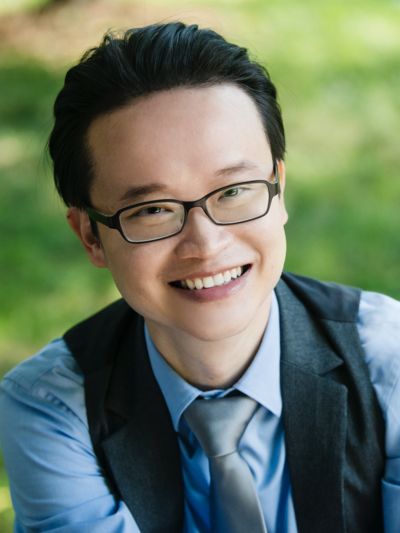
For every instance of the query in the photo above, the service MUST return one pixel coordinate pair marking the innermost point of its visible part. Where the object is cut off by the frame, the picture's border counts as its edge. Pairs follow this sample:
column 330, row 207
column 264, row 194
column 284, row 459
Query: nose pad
column 197, row 205
column 200, row 210
column 201, row 237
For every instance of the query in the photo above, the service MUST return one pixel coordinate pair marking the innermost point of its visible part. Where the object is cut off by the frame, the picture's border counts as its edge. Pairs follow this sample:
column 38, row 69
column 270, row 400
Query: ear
column 80, row 224
column 282, row 180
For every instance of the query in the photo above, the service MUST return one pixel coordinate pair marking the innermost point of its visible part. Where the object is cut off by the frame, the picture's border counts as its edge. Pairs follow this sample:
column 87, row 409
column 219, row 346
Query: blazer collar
column 303, row 341
column 314, row 417
column 143, row 453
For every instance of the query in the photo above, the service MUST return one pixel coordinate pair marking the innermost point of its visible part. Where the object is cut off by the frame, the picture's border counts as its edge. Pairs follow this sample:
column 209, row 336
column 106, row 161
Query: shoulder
column 378, row 325
column 92, row 340
column 326, row 300
column 51, row 377
column 379, row 310
column 55, row 480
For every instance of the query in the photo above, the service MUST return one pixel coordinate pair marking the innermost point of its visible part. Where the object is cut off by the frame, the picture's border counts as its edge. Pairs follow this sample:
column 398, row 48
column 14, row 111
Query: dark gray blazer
column 334, row 428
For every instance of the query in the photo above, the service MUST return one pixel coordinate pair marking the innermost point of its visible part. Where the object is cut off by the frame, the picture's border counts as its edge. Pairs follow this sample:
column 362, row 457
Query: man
column 220, row 394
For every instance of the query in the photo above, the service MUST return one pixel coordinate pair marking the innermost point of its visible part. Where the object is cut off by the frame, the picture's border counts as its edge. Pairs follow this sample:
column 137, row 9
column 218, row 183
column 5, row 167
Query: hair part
column 136, row 63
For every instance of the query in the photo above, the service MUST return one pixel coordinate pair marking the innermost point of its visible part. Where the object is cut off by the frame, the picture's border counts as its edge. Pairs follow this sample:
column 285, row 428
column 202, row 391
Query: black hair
column 139, row 62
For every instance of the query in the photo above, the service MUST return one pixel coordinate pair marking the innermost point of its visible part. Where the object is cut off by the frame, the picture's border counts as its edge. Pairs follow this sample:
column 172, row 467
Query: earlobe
column 80, row 224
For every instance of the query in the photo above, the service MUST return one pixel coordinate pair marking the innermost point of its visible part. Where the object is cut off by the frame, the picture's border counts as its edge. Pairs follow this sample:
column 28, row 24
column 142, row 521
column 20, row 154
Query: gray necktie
column 219, row 425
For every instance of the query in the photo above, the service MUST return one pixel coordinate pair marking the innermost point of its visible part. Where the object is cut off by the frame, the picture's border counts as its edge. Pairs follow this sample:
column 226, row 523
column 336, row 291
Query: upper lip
column 207, row 273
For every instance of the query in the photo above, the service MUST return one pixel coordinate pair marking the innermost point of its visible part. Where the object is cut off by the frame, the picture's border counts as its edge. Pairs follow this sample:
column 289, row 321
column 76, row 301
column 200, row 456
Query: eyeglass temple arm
column 107, row 220
column 277, row 183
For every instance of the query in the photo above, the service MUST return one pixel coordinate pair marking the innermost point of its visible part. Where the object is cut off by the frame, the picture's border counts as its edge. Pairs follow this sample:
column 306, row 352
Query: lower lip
column 214, row 293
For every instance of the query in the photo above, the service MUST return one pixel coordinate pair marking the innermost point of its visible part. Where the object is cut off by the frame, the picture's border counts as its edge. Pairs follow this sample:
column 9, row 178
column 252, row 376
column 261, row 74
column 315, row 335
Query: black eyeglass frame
column 113, row 221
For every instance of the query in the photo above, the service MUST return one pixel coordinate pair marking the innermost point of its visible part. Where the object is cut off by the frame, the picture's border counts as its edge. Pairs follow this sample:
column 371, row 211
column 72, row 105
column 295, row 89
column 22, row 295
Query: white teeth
column 208, row 282
column 227, row 276
column 218, row 280
column 198, row 283
column 212, row 281
column 190, row 284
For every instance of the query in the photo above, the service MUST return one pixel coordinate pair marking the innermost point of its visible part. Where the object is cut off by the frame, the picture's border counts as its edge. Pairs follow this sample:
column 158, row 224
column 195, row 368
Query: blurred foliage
column 337, row 69
column 15, row 6
column 45, row 277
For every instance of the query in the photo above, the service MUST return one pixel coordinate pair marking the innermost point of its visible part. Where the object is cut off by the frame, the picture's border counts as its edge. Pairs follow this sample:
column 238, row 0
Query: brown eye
column 153, row 210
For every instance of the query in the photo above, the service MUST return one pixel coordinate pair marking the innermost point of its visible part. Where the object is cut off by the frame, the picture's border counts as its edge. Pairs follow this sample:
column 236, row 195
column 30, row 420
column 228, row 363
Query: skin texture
column 185, row 140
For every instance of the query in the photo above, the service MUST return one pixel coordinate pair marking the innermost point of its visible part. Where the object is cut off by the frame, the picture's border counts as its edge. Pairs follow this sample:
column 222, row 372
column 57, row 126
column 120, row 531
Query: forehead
column 177, row 138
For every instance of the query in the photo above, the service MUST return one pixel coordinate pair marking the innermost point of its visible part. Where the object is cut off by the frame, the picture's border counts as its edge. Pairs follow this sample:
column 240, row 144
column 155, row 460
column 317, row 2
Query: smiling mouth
column 223, row 278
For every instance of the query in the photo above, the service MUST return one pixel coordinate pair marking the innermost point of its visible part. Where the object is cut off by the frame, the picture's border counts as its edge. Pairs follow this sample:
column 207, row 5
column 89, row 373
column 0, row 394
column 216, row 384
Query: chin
column 211, row 329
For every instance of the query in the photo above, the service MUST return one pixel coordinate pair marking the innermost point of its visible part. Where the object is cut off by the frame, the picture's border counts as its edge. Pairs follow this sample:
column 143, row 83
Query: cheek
column 267, row 238
column 136, row 272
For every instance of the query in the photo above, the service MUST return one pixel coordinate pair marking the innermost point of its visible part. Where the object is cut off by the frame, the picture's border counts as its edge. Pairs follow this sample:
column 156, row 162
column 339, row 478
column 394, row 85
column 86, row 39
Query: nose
column 201, row 238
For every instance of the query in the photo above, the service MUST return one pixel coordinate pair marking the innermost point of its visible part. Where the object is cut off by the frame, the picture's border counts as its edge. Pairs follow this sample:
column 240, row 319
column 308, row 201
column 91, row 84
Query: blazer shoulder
column 92, row 341
column 326, row 300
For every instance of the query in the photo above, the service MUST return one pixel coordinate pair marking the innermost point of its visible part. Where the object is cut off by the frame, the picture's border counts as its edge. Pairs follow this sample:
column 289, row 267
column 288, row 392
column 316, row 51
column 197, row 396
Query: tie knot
column 219, row 424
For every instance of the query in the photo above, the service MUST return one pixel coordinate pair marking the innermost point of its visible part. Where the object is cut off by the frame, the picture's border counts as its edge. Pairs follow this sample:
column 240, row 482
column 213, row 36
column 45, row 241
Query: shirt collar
column 261, row 381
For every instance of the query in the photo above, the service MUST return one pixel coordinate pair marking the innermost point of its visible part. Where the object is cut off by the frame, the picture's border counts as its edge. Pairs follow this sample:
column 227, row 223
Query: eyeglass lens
column 241, row 203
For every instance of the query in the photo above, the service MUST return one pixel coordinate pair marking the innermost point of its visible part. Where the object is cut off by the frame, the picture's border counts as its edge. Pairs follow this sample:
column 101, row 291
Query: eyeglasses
column 160, row 219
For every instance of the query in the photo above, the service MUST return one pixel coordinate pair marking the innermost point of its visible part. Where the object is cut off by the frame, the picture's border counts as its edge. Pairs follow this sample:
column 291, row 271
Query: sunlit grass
column 6, row 510
column 5, row 499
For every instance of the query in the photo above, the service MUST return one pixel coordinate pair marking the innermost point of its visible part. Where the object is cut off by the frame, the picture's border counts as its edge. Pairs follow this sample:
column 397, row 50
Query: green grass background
column 337, row 68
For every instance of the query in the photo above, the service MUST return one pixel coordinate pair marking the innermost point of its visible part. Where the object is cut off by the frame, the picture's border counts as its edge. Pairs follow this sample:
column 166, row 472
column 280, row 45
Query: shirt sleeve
column 379, row 329
column 56, row 483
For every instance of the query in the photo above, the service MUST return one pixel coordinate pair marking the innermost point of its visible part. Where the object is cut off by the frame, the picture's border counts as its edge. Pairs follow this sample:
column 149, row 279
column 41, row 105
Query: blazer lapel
column 143, row 453
column 314, row 417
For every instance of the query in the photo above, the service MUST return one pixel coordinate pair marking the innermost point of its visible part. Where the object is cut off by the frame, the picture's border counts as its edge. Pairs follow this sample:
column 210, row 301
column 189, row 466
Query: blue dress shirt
column 57, row 485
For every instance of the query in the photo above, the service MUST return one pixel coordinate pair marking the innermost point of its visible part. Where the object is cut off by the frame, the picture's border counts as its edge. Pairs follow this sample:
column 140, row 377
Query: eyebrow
column 138, row 192
column 243, row 165
column 141, row 191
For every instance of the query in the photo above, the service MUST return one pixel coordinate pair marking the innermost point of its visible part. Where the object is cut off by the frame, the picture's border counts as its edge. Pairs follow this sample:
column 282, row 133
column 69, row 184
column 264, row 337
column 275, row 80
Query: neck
column 215, row 364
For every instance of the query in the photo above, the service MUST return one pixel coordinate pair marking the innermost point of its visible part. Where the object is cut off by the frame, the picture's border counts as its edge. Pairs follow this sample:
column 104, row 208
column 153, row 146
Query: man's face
column 189, row 142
